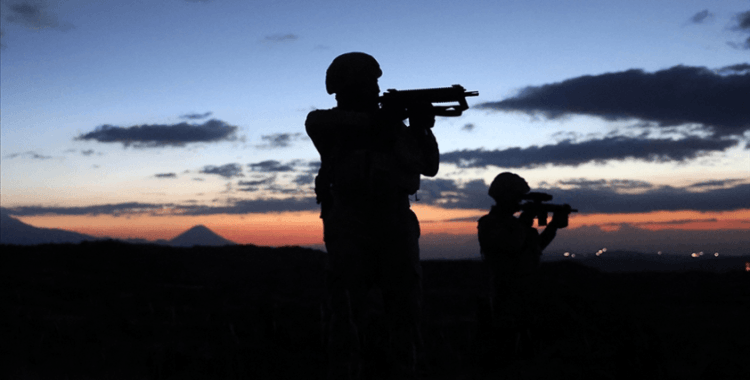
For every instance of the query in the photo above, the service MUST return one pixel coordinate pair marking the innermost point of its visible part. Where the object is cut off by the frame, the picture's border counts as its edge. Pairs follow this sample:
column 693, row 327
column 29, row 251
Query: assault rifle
column 404, row 100
column 535, row 205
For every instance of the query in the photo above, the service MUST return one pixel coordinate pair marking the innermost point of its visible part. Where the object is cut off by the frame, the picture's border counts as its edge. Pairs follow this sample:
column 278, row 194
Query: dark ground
column 111, row 310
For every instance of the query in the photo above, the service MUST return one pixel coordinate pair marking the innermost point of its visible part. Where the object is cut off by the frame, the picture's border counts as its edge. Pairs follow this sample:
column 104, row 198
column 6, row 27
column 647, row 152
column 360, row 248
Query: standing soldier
column 511, row 248
column 370, row 163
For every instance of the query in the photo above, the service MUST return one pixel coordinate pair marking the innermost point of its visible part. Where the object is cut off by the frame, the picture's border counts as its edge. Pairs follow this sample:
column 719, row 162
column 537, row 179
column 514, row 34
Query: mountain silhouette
column 14, row 231
column 199, row 235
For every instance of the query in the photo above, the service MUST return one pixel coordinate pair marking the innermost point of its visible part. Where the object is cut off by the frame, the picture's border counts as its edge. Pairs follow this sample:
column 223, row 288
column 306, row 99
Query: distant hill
column 144, row 241
column 14, row 231
column 199, row 235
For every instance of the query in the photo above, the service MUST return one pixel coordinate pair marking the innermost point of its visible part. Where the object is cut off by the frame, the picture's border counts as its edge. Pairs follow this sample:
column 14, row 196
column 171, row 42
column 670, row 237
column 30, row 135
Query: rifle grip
column 541, row 217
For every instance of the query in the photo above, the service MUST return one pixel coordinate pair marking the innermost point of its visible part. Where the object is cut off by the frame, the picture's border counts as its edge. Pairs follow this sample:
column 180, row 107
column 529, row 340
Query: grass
column 116, row 311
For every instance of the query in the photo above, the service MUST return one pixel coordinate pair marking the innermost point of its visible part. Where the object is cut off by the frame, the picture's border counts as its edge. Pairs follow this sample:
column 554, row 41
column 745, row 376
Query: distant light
column 658, row 253
column 599, row 253
column 747, row 267
column 573, row 255
column 604, row 249
column 566, row 254
column 694, row 254
column 716, row 254
column 700, row 253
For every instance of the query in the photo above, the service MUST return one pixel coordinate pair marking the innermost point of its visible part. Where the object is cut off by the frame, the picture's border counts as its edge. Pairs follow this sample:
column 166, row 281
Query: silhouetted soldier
column 512, row 248
column 370, row 163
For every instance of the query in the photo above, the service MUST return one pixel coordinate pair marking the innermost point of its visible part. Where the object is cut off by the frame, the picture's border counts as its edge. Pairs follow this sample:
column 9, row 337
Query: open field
column 110, row 310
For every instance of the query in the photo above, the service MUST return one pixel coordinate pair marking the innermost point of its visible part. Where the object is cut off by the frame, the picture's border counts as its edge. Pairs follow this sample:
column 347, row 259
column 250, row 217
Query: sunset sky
column 143, row 118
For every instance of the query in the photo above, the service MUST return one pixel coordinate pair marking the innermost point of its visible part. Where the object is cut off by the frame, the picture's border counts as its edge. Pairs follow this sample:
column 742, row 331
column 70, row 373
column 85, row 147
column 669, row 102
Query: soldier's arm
column 421, row 121
column 547, row 236
column 551, row 230
column 430, row 162
column 347, row 127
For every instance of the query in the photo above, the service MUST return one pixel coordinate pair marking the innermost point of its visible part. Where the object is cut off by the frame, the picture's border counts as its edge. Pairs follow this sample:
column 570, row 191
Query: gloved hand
column 422, row 116
column 559, row 219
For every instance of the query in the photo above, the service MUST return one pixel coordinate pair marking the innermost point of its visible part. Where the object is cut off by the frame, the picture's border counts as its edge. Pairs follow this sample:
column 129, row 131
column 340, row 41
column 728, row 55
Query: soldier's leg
column 402, row 310
column 348, row 281
column 514, row 320
column 401, row 284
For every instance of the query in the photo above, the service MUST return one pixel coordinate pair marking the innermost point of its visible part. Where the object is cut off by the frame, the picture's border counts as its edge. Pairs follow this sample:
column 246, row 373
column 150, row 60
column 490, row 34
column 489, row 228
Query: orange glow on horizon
column 277, row 229
column 673, row 220
column 306, row 228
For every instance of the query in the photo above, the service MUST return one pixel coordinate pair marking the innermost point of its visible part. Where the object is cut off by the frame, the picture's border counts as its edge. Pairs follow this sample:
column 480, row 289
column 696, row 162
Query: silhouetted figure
column 370, row 163
column 511, row 249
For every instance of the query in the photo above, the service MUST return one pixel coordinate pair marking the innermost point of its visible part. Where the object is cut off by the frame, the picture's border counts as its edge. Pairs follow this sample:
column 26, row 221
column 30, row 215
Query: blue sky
column 256, row 69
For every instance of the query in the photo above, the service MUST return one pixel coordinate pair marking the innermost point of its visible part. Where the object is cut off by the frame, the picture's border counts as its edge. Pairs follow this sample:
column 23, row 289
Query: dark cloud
column 234, row 206
column 701, row 16
column 265, row 181
column 595, row 196
column 739, row 68
column 248, row 206
column 468, row 127
column 281, row 38
column 226, row 171
column 308, row 177
column 313, row 166
column 156, row 135
column 664, row 198
column 303, row 173
column 742, row 25
column 196, row 116
column 743, row 21
column 285, row 190
column 452, row 194
column 33, row 15
column 165, row 175
column 29, row 154
column 118, row 209
column 717, row 183
column 588, row 196
column 432, row 189
column 677, row 96
column 252, row 186
column 271, row 166
column 86, row 152
column 602, row 183
column 279, row 140
column 304, row 179
column 569, row 153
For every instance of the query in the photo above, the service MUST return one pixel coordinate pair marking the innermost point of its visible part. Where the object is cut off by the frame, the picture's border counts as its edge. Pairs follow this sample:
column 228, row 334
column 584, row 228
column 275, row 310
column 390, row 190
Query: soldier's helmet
column 350, row 69
column 508, row 186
